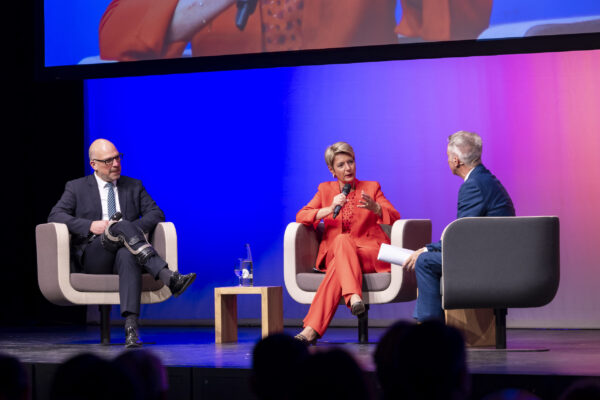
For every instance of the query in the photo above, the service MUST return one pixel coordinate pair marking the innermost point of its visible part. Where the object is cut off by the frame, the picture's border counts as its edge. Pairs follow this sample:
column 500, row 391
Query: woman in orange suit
column 149, row 29
column 350, row 242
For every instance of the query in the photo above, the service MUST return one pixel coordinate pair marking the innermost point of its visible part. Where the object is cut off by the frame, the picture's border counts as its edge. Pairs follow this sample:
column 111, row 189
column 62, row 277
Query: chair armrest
column 500, row 262
column 164, row 241
column 300, row 248
column 410, row 234
column 54, row 262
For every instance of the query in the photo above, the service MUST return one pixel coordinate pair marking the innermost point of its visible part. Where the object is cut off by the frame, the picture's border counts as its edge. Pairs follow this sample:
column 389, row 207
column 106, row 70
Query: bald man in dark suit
column 100, row 245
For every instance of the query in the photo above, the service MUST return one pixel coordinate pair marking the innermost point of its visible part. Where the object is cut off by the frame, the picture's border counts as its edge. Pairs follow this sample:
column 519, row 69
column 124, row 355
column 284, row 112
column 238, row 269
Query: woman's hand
column 338, row 200
column 367, row 202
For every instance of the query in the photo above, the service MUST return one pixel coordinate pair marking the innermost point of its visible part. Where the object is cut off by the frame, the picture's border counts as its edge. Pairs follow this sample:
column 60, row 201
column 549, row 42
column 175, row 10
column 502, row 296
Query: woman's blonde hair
column 335, row 149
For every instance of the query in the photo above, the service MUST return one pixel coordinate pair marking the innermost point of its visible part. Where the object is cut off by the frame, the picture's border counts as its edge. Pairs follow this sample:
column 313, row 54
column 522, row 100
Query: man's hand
column 98, row 227
column 409, row 264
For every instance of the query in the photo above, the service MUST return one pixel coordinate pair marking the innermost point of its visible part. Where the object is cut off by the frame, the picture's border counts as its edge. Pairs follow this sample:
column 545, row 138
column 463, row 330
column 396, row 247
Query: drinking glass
column 239, row 271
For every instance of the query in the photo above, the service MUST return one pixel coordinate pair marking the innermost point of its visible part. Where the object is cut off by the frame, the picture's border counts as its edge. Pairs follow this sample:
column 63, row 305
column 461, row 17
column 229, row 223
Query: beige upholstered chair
column 490, row 264
column 62, row 287
column 300, row 247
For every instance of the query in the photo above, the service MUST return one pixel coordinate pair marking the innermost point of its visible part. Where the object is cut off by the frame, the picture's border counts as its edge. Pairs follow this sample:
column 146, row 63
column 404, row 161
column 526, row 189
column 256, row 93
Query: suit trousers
column 346, row 262
column 428, row 270
column 97, row 260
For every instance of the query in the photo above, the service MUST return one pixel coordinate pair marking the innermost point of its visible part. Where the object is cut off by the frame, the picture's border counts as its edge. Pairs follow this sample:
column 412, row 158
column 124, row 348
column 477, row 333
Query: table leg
column 225, row 318
column 271, row 310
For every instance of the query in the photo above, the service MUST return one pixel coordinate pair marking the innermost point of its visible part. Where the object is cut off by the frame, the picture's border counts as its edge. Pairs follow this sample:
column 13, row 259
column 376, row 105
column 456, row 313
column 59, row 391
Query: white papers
column 393, row 254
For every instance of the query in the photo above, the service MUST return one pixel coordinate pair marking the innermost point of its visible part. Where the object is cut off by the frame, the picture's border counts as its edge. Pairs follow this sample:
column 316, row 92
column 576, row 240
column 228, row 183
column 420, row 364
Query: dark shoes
column 179, row 283
column 132, row 337
column 358, row 308
column 301, row 338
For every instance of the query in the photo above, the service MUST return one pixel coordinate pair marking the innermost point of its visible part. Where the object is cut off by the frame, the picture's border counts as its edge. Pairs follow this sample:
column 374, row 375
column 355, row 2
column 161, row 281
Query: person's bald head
column 105, row 160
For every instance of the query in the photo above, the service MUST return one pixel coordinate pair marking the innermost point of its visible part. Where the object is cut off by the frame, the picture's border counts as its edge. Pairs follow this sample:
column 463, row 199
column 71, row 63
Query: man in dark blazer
column 480, row 195
column 109, row 217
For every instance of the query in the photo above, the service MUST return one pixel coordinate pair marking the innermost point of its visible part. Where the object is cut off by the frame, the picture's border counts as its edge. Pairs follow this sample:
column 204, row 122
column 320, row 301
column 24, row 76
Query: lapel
column 122, row 189
column 97, row 203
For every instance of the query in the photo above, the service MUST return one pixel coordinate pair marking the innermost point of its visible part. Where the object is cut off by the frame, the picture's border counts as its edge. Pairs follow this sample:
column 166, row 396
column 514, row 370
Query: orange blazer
column 136, row 29
column 436, row 20
column 365, row 229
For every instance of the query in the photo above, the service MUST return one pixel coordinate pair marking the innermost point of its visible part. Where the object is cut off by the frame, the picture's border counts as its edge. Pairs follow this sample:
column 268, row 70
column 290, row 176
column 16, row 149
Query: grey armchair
column 500, row 263
column 301, row 244
column 62, row 287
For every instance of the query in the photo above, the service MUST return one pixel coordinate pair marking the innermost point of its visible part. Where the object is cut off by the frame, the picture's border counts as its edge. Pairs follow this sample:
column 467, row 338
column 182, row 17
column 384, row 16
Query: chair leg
column 104, row 324
column 363, row 326
column 500, row 314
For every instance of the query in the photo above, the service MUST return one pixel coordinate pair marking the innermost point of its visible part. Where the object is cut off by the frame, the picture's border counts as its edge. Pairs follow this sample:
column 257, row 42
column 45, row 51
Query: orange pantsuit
column 437, row 20
column 349, row 246
column 136, row 29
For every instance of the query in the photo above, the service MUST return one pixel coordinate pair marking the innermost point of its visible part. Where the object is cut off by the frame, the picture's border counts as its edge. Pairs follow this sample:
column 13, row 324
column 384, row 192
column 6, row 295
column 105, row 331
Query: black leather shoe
column 132, row 338
column 179, row 283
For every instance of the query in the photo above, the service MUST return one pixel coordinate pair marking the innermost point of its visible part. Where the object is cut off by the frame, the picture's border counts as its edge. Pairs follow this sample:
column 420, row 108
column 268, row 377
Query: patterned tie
column 112, row 204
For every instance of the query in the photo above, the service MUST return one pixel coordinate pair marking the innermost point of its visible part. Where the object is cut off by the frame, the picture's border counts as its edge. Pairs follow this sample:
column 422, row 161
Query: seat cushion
column 109, row 283
column 310, row 281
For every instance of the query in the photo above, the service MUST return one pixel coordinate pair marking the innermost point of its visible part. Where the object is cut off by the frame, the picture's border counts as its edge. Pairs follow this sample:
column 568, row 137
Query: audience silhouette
column 87, row 376
column 147, row 373
column 276, row 362
column 424, row 361
column 332, row 374
column 584, row 389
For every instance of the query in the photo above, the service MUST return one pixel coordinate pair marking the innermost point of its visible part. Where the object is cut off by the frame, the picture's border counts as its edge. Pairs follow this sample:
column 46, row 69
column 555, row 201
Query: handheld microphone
column 345, row 190
column 244, row 9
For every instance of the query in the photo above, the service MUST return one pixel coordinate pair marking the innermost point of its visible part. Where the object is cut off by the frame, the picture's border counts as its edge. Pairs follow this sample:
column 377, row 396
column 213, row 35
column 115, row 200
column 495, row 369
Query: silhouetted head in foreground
column 276, row 362
column 90, row 377
column 332, row 374
column 146, row 371
column 425, row 361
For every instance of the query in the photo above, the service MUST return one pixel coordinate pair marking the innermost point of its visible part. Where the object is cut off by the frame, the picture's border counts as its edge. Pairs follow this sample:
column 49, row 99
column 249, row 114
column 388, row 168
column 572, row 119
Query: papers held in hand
column 393, row 254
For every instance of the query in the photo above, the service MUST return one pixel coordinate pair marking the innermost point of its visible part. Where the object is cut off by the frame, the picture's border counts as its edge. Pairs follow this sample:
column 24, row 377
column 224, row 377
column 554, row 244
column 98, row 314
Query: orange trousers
column 345, row 263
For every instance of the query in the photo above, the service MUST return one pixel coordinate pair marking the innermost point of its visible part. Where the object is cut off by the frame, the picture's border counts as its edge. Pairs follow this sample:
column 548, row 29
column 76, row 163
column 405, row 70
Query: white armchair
column 301, row 244
column 62, row 287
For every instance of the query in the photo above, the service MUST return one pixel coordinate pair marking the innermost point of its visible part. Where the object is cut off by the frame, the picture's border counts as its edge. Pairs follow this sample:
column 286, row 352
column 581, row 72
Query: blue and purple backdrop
column 231, row 156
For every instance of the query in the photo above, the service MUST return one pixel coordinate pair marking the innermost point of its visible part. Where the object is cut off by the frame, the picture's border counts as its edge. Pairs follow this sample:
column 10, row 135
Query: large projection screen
column 78, row 34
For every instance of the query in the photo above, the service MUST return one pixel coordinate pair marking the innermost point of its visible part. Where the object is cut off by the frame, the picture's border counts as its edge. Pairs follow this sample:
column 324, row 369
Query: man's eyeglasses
column 109, row 161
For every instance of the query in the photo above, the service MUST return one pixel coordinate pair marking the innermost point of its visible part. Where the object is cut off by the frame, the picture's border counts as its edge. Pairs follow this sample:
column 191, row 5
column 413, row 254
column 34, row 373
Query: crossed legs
column 343, row 278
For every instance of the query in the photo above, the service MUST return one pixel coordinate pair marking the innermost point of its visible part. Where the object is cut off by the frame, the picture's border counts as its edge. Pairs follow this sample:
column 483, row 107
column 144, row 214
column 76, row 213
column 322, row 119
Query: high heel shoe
column 357, row 308
column 301, row 338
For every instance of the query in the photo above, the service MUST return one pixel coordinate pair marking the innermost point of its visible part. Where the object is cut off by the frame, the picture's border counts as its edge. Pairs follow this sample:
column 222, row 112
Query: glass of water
column 239, row 271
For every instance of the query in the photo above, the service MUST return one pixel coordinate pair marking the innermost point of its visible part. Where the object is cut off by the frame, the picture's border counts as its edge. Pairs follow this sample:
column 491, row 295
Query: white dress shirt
column 104, row 196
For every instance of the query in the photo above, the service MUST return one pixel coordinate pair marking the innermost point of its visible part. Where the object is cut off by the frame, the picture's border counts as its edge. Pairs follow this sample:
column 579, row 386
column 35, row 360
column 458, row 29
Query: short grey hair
column 467, row 147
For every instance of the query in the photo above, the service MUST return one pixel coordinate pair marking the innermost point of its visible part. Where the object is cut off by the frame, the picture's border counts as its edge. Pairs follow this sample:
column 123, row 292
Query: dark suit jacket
column 482, row 195
column 80, row 204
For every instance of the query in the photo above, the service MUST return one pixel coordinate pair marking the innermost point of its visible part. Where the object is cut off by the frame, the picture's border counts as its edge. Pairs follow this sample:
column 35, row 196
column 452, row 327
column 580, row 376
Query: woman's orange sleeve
column 137, row 29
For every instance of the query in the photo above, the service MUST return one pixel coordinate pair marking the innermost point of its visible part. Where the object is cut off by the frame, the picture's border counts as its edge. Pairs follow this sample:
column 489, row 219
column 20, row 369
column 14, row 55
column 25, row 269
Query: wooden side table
column 226, row 310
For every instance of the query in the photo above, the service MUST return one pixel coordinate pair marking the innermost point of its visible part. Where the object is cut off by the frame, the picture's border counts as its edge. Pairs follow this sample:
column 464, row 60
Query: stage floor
column 569, row 352
column 564, row 354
